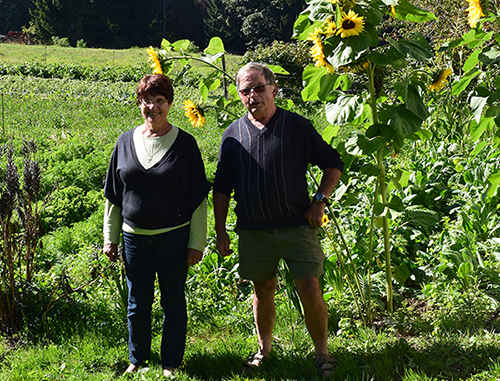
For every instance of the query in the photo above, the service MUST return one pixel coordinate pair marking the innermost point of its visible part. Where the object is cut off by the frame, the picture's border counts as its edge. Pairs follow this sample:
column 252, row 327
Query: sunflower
column 317, row 51
column 440, row 80
column 194, row 114
column 351, row 24
column 475, row 12
column 324, row 220
column 156, row 63
column 330, row 28
column 356, row 68
column 393, row 10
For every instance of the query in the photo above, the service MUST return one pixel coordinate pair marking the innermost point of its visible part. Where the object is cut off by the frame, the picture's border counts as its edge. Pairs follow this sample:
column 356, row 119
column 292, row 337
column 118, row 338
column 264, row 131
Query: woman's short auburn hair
column 155, row 84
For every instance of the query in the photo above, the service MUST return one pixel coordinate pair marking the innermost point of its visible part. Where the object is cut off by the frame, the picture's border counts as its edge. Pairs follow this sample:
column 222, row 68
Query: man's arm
column 329, row 181
column 221, row 207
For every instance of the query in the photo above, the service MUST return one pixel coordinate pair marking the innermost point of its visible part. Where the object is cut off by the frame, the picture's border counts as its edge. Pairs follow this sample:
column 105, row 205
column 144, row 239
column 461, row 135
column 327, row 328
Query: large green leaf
column 414, row 102
column 477, row 129
column 388, row 57
column 329, row 133
column 494, row 180
column 182, row 45
column 347, row 108
column 215, row 46
column 422, row 216
column 417, row 48
column 473, row 38
column 461, row 85
column 477, row 104
column 408, row 12
column 381, row 130
column 370, row 145
column 348, row 50
column 304, row 26
column 319, row 10
column 401, row 273
column 405, row 121
column 472, row 60
column 278, row 69
column 490, row 57
column 318, row 83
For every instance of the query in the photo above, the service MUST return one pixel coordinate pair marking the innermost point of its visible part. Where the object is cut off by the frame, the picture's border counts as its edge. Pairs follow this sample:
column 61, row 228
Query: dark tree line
column 125, row 23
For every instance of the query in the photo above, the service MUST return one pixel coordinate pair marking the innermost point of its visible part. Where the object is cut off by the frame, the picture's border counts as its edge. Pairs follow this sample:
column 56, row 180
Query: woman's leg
column 171, row 262
column 138, row 256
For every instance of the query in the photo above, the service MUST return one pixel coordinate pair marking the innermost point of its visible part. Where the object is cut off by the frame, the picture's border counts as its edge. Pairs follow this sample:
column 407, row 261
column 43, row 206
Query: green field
column 445, row 324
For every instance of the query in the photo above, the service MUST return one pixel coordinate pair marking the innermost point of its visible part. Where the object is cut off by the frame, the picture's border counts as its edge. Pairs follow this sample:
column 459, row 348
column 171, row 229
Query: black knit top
column 267, row 169
column 162, row 196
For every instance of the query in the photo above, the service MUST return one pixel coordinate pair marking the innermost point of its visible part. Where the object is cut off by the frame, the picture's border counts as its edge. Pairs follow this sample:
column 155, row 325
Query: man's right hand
column 223, row 243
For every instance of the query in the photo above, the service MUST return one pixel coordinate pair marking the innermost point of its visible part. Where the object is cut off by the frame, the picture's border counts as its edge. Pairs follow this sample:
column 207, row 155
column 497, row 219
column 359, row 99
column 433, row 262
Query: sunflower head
column 351, row 24
column 440, row 80
column 324, row 220
column 317, row 50
column 193, row 113
column 155, row 61
column 475, row 12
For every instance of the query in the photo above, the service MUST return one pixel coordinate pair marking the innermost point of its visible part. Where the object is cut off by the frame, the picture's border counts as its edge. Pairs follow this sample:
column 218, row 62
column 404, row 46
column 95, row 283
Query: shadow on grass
column 230, row 367
column 447, row 358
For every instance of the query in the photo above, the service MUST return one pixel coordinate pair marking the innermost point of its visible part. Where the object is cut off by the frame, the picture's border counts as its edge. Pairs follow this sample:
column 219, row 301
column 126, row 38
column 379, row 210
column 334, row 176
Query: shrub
column 81, row 44
column 291, row 56
column 61, row 41
column 70, row 205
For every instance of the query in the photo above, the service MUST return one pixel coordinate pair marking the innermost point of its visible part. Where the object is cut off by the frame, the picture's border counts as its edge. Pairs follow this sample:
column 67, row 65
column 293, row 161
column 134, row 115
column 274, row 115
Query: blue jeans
column 144, row 257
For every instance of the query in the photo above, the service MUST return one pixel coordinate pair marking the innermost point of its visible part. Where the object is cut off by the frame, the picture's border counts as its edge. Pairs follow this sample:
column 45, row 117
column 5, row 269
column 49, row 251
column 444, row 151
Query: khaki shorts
column 261, row 250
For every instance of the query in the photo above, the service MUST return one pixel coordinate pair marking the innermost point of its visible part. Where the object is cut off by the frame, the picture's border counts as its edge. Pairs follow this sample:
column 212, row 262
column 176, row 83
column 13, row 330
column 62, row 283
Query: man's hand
column 314, row 214
column 111, row 251
column 223, row 243
column 194, row 256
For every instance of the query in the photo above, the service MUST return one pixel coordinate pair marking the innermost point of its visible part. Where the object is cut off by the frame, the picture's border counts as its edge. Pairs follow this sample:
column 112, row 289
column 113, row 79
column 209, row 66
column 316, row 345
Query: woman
column 156, row 197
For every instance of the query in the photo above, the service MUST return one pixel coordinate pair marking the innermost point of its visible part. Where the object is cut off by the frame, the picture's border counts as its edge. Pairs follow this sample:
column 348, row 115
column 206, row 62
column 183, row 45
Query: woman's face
column 154, row 109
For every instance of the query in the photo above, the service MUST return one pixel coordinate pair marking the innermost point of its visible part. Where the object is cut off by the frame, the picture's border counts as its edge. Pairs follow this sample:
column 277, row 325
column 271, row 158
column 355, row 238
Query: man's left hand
column 314, row 214
column 194, row 256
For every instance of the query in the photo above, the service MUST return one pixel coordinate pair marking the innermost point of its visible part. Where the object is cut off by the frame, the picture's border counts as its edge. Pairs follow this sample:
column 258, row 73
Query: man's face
column 257, row 95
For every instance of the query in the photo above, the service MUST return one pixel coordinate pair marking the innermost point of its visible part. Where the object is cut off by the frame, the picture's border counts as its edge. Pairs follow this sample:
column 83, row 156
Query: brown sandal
column 325, row 365
column 254, row 361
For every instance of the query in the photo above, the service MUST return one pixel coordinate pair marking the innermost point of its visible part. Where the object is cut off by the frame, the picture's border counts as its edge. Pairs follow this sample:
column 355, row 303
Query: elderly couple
column 156, row 194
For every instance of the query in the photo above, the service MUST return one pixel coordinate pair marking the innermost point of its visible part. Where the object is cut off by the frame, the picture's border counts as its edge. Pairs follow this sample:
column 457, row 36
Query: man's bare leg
column 264, row 313
column 315, row 312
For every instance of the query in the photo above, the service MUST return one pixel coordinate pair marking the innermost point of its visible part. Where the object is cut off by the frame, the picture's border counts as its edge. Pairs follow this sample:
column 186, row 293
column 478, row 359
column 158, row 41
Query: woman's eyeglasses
column 149, row 102
column 258, row 89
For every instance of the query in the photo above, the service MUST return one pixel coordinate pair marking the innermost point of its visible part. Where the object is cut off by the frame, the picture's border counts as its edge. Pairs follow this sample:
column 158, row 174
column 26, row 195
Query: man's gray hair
column 255, row 66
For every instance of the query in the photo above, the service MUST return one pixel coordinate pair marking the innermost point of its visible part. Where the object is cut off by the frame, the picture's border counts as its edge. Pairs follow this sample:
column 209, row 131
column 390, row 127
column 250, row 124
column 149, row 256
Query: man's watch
column 319, row 197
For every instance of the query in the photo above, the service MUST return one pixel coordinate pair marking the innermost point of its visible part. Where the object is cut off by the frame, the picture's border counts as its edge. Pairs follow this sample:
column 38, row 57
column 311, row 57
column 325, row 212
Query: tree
column 116, row 24
column 14, row 15
column 243, row 24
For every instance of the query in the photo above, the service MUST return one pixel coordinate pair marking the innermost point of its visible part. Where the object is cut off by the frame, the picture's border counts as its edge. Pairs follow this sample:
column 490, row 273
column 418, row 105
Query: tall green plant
column 348, row 76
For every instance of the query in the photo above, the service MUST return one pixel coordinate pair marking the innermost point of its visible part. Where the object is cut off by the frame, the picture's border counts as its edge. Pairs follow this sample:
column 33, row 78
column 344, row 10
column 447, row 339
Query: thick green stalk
column 383, row 191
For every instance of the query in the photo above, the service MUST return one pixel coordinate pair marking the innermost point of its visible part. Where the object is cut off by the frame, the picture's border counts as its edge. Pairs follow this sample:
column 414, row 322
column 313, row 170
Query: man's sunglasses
column 258, row 89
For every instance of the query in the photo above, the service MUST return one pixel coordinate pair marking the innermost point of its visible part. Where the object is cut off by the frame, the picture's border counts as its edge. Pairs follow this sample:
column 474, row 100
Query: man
column 263, row 157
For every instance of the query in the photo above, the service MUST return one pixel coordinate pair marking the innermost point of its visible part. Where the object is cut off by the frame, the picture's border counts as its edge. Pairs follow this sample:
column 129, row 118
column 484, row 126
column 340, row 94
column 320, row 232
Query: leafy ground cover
column 445, row 323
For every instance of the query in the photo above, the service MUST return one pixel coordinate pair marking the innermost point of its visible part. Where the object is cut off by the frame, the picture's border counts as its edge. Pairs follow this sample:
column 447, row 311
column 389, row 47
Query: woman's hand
column 194, row 256
column 111, row 251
